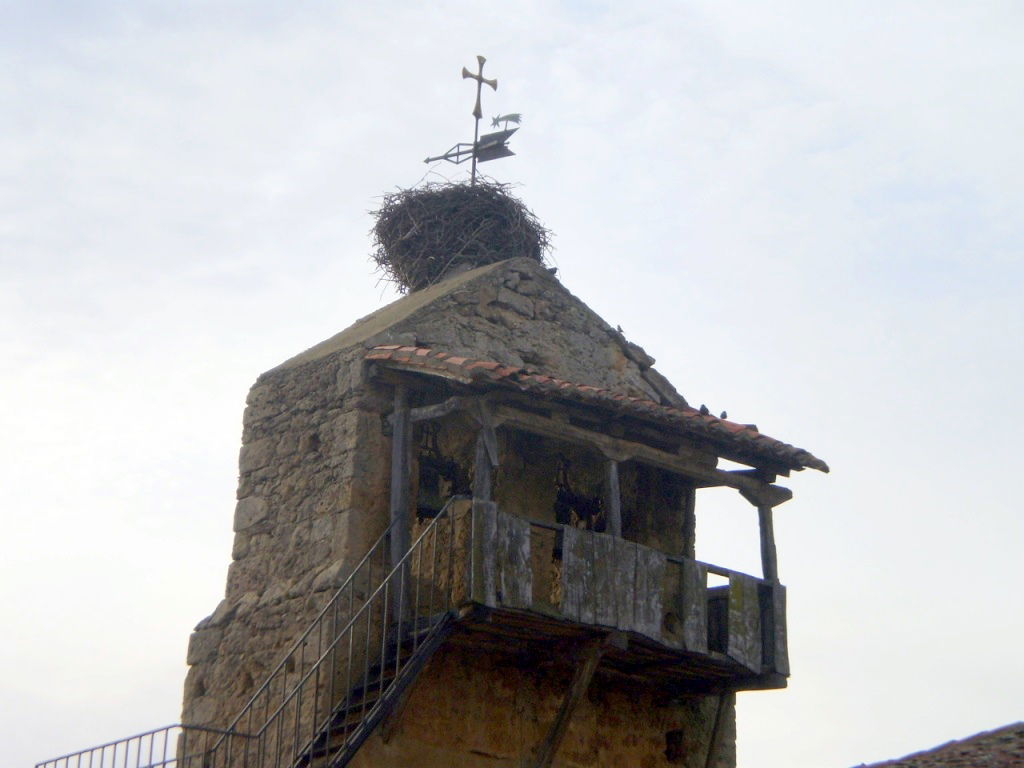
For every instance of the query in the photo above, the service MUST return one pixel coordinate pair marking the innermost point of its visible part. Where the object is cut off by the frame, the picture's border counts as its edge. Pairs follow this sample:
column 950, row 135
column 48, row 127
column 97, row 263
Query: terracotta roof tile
column 1001, row 748
column 744, row 439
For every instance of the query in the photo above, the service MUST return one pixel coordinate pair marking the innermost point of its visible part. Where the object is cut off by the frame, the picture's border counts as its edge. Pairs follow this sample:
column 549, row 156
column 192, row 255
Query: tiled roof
column 1001, row 748
column 741, row 440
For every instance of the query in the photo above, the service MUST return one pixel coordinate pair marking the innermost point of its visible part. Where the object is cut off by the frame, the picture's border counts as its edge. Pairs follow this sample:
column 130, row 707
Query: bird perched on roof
column 724, row 415
column 704, row 410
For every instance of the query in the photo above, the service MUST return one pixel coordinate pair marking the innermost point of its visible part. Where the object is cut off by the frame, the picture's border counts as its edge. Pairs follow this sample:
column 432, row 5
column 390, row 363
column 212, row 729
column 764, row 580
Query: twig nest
column 427, row 233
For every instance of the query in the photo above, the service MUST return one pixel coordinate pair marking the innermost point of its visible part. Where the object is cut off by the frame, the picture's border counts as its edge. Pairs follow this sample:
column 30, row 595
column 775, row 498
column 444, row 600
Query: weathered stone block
column 241, row 546
column 202, row 645
column 521, row 304
column 249, row 512
column 256, row 455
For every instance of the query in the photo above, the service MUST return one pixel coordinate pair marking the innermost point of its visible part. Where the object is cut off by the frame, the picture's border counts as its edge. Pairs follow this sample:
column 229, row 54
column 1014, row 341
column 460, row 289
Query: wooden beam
column 613, row 499
column 620, row 449
column 401, row 533
column 436, row 410
column 585, row 417
column 587, row 661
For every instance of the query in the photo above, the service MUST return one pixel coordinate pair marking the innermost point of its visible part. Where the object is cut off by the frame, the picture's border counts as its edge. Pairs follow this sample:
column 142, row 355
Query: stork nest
column 427, row 233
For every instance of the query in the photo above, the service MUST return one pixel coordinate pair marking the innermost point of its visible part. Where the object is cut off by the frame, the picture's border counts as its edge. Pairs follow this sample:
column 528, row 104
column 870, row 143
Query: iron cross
column 480, row 80
column 477, row 112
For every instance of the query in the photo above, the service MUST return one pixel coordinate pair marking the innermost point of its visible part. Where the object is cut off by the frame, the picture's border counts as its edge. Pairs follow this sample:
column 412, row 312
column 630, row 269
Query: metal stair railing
column 338, row 680
column 168, row 747
column 348, row 667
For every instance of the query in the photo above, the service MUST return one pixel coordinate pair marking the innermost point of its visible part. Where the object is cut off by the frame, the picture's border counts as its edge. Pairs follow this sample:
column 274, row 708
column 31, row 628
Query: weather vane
column 490, row 146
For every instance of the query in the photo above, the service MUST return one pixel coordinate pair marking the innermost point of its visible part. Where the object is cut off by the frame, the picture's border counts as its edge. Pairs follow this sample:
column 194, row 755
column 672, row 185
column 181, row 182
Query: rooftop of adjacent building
column 998, row 748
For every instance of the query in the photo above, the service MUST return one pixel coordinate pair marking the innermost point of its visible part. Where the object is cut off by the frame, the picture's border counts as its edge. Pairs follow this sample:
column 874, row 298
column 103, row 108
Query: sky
column 809, row 213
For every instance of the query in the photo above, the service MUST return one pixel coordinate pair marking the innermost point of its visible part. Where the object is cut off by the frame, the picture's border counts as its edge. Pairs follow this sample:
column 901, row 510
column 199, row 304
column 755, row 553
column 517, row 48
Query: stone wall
column 470, row 710
column 311, row 499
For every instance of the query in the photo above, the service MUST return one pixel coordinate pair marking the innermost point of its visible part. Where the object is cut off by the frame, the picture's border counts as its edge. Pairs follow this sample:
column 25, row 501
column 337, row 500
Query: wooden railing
column 607, row 581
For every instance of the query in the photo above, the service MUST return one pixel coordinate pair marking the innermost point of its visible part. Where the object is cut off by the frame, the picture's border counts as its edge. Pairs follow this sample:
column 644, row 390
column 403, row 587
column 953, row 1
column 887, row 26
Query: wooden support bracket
column 716, row 738
column 766, row 495
column 589, row 657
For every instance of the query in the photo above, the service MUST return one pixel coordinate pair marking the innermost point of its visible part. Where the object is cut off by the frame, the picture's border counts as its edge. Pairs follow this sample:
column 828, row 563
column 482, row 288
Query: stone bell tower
column 465, row 535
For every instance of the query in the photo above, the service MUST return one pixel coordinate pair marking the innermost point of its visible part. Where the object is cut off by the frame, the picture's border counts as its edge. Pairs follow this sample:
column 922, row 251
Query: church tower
column 465, row 535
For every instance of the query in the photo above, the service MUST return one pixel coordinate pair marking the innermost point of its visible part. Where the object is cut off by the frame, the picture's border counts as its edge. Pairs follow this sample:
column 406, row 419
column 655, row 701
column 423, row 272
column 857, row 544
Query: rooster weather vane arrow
column 490, row 146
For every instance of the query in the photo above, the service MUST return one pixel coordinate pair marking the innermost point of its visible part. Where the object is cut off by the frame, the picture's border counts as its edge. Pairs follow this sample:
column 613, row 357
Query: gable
column 515, row 311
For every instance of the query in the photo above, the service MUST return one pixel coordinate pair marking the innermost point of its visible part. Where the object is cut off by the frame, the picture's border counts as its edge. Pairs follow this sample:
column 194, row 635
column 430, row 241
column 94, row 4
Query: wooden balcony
column 537, row 585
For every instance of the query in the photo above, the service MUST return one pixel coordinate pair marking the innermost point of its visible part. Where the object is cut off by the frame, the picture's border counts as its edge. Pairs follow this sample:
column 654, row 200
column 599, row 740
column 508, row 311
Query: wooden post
column 769, row 563
column 765, row 499
column 613, row 499
column 401, row 534
column 481, row 469
column 689, row 522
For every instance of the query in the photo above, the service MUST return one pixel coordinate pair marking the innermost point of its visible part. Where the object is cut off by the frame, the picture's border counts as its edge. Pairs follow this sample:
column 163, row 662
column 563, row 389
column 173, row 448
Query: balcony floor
column 535, row 637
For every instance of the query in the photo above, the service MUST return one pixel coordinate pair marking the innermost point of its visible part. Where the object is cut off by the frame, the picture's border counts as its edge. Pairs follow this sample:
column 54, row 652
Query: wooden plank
column 693, row 608
column 589, row 657
column 481, row 470
column 515, row 576
column 647, row 614
column 744, row 622
column 604, row 580
column 575, row 575
column 587, row 612
column 613, row 498
column 624, row 583
column 484, row 533
column 773, row 628
column 781, row 632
